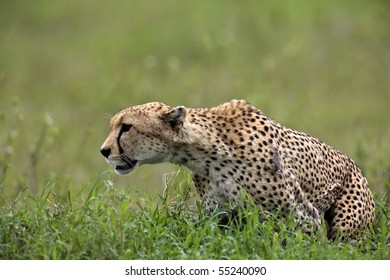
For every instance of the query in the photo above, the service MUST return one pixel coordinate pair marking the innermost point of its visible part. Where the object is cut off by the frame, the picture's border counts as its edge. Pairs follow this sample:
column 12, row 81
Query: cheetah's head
column 143, row 134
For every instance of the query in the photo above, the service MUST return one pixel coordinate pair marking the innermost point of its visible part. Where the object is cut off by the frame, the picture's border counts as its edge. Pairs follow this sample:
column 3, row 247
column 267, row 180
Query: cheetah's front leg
column 302, row 209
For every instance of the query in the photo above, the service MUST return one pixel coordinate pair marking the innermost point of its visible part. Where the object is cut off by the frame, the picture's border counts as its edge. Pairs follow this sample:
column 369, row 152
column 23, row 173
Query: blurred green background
column 322, row 67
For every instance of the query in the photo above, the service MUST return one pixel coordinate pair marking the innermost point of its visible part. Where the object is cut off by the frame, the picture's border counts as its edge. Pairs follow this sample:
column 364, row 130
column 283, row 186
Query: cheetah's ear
column 175, row 117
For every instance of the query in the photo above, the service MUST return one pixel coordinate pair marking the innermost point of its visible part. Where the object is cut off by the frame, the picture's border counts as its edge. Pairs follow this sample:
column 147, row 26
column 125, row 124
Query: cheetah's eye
column 125, row 128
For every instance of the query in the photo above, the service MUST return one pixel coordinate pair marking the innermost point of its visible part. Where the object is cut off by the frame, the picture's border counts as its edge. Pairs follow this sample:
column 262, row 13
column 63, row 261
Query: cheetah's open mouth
column 126, row 167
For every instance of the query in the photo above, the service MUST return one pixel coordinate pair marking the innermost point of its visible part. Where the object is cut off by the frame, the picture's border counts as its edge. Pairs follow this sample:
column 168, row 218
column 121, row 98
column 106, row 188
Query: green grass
column 65, row 67
column 112, row 224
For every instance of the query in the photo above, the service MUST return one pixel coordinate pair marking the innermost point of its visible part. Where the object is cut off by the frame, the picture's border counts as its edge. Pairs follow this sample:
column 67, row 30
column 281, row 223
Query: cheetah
column 234, row 148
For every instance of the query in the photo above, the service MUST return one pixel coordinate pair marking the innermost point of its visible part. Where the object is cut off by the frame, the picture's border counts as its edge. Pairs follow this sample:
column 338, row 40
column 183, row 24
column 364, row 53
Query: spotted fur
column 233, row 149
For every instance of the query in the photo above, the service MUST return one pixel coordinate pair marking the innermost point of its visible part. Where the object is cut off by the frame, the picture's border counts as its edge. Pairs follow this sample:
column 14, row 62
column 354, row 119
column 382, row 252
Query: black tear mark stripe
column 124, row 128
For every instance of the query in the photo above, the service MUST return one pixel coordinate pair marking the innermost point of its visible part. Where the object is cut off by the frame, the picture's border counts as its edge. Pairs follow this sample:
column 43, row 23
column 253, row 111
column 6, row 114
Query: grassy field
column 66, row 67
column 112, row 224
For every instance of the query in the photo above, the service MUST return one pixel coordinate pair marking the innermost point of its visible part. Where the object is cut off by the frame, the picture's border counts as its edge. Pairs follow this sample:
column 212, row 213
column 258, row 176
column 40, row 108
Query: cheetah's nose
column 105, row 152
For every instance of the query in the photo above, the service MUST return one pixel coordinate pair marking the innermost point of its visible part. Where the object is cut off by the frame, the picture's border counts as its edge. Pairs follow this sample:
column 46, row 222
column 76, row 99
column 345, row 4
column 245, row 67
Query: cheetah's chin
column 126, row 168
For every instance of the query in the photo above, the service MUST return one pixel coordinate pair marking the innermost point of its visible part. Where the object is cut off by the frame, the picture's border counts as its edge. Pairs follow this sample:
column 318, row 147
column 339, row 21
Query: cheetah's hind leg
column 353, row 210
